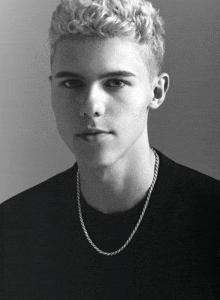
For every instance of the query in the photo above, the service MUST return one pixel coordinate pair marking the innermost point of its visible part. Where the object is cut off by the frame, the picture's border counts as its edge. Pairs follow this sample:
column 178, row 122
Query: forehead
column 95, row 54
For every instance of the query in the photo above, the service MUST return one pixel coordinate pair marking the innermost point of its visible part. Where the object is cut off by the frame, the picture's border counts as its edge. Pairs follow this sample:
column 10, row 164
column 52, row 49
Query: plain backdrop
column 186, row 127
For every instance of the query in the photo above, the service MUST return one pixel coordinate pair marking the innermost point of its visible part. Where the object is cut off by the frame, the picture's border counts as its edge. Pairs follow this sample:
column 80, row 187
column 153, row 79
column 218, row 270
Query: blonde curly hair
column 134, row 19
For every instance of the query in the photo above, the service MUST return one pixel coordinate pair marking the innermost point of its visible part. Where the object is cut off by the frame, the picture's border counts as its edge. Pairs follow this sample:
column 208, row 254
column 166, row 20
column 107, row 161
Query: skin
column 117, row 166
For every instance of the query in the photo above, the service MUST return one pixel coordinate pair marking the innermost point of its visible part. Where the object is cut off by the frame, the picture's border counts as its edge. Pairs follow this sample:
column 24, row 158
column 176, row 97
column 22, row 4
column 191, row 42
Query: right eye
column 72, row 84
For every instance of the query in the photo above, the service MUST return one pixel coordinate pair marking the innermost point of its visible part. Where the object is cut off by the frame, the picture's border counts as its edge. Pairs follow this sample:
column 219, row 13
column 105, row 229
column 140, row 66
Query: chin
column 99, row 162
column 96, row 160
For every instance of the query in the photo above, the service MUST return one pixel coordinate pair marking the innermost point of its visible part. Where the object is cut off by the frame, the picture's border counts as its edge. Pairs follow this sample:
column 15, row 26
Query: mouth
column 94, row 135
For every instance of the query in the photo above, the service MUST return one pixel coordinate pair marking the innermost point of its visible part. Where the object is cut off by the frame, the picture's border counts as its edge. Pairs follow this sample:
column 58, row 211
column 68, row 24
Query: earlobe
column 161, row 86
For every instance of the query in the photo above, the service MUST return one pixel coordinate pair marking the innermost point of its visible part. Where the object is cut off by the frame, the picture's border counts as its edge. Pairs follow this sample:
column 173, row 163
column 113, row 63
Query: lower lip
column 91, row 138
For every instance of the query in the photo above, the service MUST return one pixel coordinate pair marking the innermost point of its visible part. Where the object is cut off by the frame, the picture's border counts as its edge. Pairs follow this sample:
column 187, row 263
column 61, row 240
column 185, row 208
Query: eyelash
column 118, row 80
column 63, row 83
column 79, row 84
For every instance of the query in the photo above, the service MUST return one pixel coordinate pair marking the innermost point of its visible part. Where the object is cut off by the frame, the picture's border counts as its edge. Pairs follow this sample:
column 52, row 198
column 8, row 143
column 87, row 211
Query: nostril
column 95, row 114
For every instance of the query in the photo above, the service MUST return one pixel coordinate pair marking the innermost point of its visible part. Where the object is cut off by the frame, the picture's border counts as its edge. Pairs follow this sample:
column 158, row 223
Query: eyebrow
column 64, row 74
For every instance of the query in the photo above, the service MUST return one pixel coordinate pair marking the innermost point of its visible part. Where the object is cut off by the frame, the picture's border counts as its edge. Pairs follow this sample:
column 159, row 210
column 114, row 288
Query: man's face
column 100, row 97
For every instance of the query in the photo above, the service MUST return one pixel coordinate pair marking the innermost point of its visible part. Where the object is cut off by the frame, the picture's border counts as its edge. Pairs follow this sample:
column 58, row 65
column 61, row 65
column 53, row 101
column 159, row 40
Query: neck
column 121, row 186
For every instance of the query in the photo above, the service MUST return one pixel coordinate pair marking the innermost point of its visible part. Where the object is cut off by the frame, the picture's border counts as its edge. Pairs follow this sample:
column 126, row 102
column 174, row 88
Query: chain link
column 139, row 220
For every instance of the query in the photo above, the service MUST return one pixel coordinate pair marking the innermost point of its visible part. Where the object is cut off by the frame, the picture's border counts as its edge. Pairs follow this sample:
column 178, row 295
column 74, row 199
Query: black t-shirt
column 173, row 255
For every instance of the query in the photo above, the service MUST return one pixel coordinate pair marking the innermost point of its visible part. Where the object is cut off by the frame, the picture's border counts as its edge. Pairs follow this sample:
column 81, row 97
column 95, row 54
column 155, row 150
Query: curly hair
column 135, row 19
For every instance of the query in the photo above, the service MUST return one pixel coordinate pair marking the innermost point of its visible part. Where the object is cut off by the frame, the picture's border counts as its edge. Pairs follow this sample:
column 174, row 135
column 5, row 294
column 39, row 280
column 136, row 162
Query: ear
column 160, row 87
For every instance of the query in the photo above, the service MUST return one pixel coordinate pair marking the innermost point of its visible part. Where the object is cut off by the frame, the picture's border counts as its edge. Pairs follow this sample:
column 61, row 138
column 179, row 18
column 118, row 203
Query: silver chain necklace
column 139, row 220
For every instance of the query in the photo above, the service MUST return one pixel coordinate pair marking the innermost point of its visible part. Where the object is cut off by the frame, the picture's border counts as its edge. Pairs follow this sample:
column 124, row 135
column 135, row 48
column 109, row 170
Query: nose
column 93, row 104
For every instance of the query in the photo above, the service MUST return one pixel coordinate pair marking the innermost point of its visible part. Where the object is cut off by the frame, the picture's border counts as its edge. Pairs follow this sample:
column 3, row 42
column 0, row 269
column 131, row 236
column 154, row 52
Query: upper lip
column 93, row 131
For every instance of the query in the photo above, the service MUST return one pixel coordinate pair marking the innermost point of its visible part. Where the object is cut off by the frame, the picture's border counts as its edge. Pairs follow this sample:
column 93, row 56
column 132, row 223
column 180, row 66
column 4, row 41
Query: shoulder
column 195, row 194
column 189, row 180
column 189, row 200
column 41, row 197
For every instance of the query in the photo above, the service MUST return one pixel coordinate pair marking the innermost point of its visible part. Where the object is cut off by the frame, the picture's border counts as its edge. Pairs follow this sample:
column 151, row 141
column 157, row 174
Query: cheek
column 61, row 103
column 64, row 110
column 132, row 105
column 131, row 115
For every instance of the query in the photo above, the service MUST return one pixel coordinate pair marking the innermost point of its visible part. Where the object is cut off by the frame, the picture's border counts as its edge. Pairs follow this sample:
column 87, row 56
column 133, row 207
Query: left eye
column 72, row 84
column 115, row 83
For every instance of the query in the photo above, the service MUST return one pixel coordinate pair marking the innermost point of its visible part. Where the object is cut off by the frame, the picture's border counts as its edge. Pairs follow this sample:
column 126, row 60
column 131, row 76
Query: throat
column 113, row 194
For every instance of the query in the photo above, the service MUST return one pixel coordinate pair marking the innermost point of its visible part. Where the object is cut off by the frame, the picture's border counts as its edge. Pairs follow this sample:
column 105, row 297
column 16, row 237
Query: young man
column 125, row 222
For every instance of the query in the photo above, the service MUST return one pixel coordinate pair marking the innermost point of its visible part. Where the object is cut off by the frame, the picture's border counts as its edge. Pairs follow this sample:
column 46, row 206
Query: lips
column 94, row 135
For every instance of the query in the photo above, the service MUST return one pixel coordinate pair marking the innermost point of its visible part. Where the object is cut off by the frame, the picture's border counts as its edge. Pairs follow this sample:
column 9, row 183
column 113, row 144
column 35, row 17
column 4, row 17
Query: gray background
column 186, row 127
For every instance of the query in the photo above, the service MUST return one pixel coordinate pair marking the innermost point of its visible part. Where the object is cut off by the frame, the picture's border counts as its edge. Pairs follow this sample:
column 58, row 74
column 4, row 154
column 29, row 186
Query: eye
column 115, row 83
column 72, row 84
